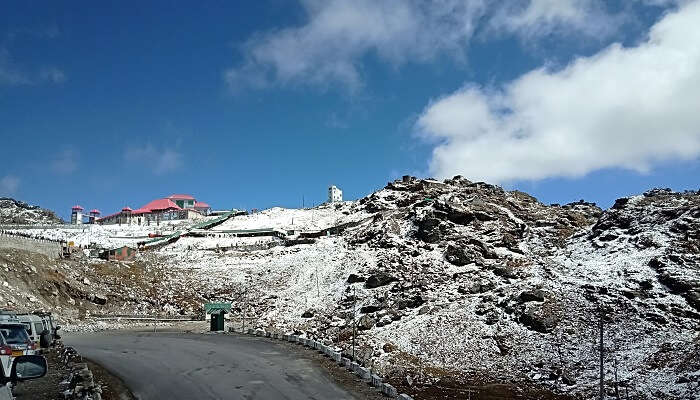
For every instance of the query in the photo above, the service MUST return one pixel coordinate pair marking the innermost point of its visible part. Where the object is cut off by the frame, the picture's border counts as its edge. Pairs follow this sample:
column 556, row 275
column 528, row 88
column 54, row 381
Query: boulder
column 354, row 278
column 428, row 229
column 99, row 299
column 365, row 322
column 389, row 347
column 410, row 302
column 368, row 309
column 458, row 255
column 531, row 295
column 533, row 320
column 379, row 279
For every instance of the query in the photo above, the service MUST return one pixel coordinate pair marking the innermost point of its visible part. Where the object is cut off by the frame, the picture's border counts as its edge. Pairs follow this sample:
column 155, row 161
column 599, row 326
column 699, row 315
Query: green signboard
column 215, row 308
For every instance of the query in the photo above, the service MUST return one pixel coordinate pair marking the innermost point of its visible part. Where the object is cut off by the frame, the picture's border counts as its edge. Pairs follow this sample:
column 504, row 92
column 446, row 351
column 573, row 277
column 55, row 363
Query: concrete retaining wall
column 41, row 246
column 389, row 390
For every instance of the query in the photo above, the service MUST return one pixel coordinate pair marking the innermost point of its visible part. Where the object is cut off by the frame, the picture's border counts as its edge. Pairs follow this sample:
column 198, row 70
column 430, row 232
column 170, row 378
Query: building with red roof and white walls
column 171, row 208
column 182, row 200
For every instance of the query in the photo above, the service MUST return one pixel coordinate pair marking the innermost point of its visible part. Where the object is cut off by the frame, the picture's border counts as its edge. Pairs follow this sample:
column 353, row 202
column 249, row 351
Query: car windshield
column 14, row 334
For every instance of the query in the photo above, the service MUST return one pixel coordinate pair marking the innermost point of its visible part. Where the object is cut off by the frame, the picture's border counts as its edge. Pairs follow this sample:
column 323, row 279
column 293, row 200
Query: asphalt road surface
column 190, row 366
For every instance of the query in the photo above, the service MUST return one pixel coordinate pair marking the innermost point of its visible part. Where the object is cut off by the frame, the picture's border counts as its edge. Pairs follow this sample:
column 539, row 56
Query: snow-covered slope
column 16, row 212
column 457, row 284
column 462, row 279
column 307, row 219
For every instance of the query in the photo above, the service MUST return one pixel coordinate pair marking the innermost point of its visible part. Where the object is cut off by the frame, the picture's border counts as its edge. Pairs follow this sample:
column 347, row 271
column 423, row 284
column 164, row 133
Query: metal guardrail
column 63, row 226
column 132, row 317
column 202, row 225
column 215, row 221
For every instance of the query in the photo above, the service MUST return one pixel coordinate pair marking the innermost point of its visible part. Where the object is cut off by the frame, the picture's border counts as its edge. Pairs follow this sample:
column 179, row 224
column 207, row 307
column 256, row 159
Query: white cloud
column 158, row 161
column 338, row 34
column 9, row 185
column 544, row 17
column 14, row 74
column 623, row 107
column 52, row 74
column 66, row 162
column 9, row 73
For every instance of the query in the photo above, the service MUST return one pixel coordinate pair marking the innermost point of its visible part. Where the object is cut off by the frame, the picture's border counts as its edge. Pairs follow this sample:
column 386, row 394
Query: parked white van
column 34, row 326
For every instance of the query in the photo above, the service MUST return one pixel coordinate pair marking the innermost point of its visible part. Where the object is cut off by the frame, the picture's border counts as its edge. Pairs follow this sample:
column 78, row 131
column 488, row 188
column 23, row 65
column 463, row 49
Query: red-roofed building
column 182, row 200
column 202, row 207
column 174, row 207
column 94, row 215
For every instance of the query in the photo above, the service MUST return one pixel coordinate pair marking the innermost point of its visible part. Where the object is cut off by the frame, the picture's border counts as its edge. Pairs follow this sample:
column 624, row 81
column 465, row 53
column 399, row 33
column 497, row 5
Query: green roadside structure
column 217, row 311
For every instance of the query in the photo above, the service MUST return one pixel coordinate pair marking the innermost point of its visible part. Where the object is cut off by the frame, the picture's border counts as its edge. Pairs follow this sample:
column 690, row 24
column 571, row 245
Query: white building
column 334, row 194
column 76, row 215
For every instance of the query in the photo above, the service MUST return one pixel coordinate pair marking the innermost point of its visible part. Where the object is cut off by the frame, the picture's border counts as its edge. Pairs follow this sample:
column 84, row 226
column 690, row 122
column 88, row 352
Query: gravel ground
column 48, row 387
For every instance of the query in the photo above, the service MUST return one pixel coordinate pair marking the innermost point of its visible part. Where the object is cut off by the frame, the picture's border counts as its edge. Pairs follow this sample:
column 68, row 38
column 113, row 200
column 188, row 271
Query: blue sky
column 256, row 105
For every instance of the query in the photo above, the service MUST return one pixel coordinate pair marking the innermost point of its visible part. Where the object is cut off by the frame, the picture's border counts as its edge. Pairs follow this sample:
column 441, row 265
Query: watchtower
column 76, row 215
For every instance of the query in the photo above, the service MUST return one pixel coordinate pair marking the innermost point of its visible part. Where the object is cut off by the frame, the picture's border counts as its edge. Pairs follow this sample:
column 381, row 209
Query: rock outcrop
column 15, row 212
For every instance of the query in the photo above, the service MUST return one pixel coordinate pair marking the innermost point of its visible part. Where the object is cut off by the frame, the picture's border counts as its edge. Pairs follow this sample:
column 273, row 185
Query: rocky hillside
column 495, row 286
column 457, row 282
column 16, row 212
column 453, row 286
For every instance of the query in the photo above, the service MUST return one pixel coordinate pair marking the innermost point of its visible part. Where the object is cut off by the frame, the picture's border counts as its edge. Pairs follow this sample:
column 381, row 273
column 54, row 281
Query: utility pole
column 602, row 356
column 245, row 289
column 617, row 389
column 318, row 290
column 354, row 322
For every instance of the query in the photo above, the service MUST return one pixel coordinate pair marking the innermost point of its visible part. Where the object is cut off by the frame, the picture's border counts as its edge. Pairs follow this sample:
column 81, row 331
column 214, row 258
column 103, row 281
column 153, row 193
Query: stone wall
column 46, row 247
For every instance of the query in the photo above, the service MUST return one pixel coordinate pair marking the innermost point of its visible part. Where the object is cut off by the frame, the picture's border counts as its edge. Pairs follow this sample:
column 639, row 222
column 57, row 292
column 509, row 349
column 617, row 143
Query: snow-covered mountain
column 458, row 282
column 20, row 213
column 455, row 285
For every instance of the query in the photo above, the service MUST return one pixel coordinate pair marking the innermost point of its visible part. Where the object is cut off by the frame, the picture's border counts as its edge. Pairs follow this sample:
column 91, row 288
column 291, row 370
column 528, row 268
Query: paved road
column 189, row 366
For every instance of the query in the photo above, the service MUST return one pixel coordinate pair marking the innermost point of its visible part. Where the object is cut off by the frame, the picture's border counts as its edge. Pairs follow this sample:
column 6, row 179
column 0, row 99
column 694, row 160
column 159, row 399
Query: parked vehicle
column 6, row 315
column 35, row 328
column 51, row 327
column 14, row 342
